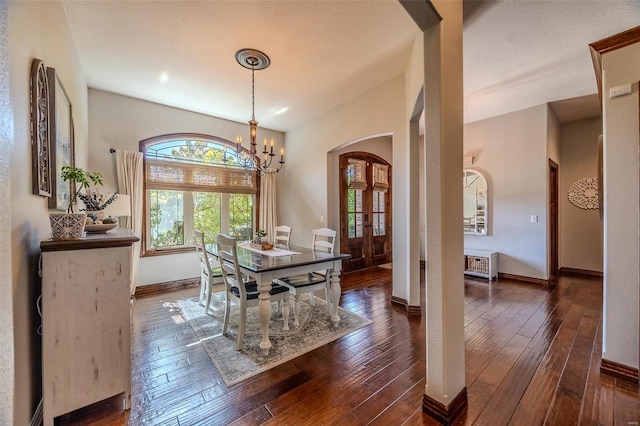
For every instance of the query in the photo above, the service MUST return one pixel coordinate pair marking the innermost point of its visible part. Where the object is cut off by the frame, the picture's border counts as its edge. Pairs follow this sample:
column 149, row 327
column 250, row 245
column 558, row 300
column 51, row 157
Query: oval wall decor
column 584, row 193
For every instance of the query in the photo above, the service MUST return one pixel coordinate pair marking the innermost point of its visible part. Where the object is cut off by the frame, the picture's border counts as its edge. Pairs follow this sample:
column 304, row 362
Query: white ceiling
column 517, row 54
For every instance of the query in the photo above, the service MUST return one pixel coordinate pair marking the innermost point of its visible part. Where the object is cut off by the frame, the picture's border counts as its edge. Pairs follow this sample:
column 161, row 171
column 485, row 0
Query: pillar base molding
column 619, row 370
column 412, row 311
column 445, row 414
column 399, row 301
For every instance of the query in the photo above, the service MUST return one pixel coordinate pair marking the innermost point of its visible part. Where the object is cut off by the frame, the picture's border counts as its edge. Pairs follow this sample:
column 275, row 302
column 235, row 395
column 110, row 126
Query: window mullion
column 225, row 217
column 188, row 218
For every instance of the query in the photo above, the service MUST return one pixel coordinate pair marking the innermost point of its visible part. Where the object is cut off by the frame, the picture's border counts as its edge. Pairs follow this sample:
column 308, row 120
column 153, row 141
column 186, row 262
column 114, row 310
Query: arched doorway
column 365, row 210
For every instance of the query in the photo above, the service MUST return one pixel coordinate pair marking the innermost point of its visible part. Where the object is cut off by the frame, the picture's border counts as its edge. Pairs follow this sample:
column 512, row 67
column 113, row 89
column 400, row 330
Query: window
column 188, row 187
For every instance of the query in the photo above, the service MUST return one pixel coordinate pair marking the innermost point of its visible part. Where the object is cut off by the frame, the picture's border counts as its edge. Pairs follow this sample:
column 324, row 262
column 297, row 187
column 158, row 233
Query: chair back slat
column 228, row 255
column 198, row 241
column 324, row 239
column 283, row 234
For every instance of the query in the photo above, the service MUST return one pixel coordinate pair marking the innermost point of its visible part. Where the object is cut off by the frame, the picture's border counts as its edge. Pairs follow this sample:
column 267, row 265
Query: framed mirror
column 62, row 152
column 475, row 202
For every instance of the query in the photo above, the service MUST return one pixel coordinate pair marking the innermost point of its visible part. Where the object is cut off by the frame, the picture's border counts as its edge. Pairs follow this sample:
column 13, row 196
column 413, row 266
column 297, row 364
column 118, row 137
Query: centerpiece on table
column 260, row 241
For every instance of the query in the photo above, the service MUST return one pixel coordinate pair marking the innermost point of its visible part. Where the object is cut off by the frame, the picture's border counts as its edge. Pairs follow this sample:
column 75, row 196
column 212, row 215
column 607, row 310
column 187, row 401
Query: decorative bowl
column 99, row 229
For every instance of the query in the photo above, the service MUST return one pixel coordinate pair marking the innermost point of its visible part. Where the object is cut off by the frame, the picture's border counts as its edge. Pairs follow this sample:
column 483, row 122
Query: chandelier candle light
column 254, row 60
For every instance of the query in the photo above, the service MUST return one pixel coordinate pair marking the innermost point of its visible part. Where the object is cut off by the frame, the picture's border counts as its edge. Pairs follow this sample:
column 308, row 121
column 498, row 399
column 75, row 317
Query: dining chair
column 283, row 233
column 242, row 291
column 324, row 240
column 209, row 275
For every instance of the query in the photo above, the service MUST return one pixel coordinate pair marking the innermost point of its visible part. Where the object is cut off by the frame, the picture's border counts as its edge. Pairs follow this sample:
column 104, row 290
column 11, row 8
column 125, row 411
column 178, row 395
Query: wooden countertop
column 118, row 237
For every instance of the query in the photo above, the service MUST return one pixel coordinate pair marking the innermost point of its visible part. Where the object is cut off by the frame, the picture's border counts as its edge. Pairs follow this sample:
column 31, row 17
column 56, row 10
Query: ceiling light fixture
column 255, row 61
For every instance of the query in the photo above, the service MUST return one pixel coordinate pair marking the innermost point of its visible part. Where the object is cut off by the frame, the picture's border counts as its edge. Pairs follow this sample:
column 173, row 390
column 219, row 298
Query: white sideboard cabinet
column 481, row 263
column 86, row 320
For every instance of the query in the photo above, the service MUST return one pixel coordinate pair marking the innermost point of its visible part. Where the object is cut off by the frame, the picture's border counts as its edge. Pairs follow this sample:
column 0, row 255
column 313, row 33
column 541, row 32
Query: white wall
column 621, row 207
column 511, row 151
column 36, row 30
column 121, row 122
column 580, row 236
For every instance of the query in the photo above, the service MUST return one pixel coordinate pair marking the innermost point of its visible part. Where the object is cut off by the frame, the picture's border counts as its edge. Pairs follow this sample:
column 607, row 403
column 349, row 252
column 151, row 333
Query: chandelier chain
column 253, row 93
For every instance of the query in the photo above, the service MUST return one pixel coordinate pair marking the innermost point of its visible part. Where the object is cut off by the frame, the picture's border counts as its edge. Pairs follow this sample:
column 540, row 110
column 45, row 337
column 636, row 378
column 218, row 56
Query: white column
column 444, row 246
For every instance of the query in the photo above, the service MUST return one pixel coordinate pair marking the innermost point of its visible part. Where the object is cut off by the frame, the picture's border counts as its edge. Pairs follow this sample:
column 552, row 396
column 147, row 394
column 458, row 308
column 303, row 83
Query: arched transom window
column 188, row 187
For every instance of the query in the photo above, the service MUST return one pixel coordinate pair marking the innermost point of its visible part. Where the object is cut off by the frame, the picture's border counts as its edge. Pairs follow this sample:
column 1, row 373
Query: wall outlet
column 622, row 90
column 534, row 218
column 321, row 219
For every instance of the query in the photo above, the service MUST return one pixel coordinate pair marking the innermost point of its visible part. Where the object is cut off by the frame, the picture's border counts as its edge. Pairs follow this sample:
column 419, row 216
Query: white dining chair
column 324, row 240
column 209, row 275
column 283, row 234
column 242, row 291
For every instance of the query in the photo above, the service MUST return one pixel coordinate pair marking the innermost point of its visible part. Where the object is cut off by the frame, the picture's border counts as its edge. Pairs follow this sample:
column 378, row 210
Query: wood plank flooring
column 532, row 357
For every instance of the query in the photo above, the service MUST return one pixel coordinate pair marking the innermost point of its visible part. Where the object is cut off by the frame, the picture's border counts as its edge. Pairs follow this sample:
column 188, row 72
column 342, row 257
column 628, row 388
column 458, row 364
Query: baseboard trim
column 37, row 418
column 399, row 301
column 166, row 287
column 619, row 370
column 531, row 280
column 579, row 272
column 445, row 414
column 414, row 311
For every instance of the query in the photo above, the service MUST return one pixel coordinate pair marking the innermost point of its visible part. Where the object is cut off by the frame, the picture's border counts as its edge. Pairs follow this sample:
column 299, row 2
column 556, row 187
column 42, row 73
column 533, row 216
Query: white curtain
column 130, row 181
column 268, row 219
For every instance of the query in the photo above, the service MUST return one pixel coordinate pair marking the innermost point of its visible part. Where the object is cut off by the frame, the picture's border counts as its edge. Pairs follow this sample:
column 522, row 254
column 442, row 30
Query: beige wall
column 7, row 378
column 621, row 207
column 36, row 30
column 377, row 112
column 120, row 122
column 580, row 230
column 511, row 151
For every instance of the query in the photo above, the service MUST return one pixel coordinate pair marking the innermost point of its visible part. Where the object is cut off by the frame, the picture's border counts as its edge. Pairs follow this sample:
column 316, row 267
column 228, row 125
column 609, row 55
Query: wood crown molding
column 445, row 414
column 609, row 44
column 619, row 370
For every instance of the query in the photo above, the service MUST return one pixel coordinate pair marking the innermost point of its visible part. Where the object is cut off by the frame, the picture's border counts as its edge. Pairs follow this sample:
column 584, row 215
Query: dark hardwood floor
column 532, row 357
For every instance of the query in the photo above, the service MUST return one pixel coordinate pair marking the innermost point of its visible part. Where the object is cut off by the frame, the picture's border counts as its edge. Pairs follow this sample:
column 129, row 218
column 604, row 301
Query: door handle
column 366, row 217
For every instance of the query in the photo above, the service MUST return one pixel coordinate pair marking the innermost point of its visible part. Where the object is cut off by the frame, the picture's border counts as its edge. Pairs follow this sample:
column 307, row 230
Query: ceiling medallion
column 584, row 193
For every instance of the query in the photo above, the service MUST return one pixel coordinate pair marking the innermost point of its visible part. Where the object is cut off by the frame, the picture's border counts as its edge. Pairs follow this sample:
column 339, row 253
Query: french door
column 365, row 210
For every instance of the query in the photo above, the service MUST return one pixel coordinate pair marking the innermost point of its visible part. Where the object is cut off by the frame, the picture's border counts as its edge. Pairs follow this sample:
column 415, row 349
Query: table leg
column 264, row 313
column 335, row 296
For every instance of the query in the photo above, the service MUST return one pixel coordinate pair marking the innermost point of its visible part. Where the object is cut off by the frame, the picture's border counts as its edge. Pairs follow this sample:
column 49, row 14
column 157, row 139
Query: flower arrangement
column 260, row 234
column 95, row 201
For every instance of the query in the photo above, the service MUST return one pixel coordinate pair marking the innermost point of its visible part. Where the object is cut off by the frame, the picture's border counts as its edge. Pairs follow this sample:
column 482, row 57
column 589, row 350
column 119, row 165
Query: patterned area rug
column 315, row 330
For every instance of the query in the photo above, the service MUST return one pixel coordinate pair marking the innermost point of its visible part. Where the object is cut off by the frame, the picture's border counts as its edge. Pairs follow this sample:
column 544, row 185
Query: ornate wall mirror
column 475, row 209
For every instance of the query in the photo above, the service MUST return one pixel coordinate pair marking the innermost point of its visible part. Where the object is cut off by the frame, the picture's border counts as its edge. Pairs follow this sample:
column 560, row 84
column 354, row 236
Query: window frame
column 145, row 250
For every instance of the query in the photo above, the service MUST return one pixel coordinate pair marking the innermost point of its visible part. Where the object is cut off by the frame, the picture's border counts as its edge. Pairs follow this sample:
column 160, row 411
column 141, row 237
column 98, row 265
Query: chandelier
column 251, row 161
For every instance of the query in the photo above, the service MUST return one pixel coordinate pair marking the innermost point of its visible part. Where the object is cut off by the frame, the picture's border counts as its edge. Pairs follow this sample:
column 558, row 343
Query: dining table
column 266, row 265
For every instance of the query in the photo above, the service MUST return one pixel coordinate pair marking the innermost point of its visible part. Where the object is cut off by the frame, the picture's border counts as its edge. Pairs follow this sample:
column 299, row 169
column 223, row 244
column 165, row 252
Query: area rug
column 315, row 330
